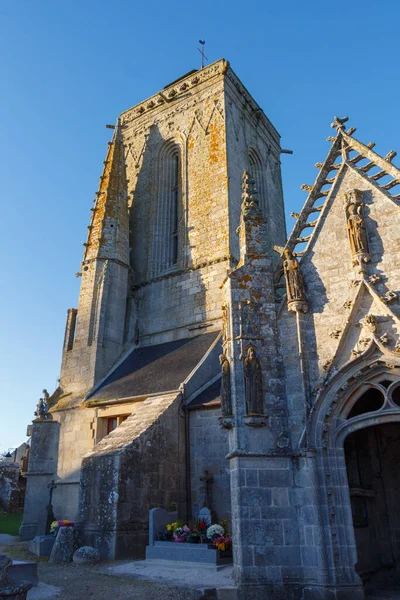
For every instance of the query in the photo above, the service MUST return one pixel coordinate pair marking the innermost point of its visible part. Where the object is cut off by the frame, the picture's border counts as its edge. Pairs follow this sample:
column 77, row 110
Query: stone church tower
column 187, row 268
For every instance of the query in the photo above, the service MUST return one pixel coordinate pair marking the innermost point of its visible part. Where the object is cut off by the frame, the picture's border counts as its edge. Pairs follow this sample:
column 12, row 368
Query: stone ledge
column 184, row 552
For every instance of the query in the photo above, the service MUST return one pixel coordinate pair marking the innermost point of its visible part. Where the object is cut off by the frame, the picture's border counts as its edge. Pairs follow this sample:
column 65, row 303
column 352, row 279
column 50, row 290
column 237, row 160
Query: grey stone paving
column 6, row 539
column 195, row 576
column 43, row 591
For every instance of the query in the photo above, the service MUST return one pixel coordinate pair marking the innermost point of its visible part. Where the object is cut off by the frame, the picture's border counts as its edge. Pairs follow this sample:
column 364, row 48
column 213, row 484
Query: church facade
column 211, row 358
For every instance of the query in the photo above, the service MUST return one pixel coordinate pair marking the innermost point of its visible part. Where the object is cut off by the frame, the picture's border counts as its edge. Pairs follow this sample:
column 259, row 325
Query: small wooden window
column 112, row 423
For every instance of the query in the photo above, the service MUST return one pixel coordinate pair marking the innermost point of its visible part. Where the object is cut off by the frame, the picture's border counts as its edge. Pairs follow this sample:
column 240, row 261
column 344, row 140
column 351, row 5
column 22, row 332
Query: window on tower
column 257, row 173
column 167, row 215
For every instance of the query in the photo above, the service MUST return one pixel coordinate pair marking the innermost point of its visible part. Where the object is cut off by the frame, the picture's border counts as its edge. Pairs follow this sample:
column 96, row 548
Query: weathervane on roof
column 338, row 123
column 203, row 56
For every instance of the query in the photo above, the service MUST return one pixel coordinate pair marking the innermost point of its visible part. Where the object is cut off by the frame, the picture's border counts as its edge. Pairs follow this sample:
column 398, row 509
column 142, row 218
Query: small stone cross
column 208, row 480
column 51, row 487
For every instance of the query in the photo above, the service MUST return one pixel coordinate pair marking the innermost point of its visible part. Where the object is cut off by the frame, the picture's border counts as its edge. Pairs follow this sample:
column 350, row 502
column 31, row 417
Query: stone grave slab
column 42, row 545
column 184, row 552
column 23, row 571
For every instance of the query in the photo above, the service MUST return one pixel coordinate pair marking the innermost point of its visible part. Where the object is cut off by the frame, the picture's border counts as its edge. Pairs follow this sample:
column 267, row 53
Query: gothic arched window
column 167, row 214
column 256, row 172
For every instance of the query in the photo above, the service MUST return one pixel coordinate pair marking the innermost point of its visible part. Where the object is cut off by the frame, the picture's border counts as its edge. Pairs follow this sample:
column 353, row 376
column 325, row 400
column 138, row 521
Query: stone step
column 23, row 571
column 177, row 564
column 221, row 593
column 183, row 552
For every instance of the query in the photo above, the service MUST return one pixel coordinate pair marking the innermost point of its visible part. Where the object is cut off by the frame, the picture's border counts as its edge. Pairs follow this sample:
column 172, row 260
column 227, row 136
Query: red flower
column 202, row 525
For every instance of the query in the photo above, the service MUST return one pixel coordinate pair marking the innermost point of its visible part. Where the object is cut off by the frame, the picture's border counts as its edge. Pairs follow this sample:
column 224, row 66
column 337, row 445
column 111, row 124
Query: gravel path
column 181, row 575
column 79, row 582
column 88, row 582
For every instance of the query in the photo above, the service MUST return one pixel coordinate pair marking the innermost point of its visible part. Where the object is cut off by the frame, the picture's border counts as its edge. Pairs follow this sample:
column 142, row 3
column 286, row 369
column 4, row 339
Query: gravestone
column 86, row 555
column 42, row 470
column 205, row 515
column 158, row 520
column 42, row 545
column 63, row 548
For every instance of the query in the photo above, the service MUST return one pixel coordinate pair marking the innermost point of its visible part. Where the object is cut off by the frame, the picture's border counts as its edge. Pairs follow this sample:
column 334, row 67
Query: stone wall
column 178, row 306
column 9, row 488
column 247, row 132
column 138, row 466
column 194, row 121
column 77, row 437
column 208, row 450
column 275, row 506
column 81, row 428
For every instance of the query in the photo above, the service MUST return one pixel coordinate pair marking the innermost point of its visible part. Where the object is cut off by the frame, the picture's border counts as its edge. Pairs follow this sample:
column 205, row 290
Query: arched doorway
column 372, row 455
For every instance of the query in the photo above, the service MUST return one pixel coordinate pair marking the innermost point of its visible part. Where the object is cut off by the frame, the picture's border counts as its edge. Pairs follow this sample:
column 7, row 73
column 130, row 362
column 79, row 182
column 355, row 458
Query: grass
column 10, row 523
column 20, row 552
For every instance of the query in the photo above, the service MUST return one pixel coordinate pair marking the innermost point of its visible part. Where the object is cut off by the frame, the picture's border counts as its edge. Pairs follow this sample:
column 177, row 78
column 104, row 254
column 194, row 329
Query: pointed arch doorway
column 372, row 456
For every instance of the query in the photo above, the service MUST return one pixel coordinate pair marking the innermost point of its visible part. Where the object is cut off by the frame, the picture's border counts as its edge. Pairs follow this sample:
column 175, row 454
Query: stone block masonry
column 208, row 450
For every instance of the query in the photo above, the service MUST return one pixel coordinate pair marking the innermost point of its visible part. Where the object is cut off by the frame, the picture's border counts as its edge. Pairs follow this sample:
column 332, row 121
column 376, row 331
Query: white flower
column 214, row 531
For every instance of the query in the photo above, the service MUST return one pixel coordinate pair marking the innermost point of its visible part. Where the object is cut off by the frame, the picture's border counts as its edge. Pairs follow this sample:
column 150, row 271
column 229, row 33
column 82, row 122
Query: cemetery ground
column 75, row 582
column 10, row 523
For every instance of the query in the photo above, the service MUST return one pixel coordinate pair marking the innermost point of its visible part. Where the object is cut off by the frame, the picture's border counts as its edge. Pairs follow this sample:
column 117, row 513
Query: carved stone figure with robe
column 253, row 383
column 356, row 230
column 293, row 276
column 226, row 402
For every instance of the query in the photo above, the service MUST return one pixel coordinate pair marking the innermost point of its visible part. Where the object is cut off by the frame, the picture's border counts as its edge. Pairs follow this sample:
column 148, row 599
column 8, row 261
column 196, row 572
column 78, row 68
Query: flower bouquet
column 215, row 531
column 55, row 525
column 223, row 543
column 181, row 534
column 202, row 529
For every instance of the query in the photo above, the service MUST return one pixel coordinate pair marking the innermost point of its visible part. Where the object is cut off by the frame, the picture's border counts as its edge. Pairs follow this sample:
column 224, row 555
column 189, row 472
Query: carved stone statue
column 356, row 228
column 41, row 409
column 226, row 403
column 46, row 397
column 294, row 282
column 253, row 383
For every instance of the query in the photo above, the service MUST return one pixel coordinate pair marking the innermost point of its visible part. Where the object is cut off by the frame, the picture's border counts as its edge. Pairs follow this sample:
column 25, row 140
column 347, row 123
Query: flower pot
column 179, row 538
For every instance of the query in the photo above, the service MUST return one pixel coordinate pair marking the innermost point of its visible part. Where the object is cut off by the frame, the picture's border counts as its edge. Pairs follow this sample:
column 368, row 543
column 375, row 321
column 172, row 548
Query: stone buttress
column 94, row 334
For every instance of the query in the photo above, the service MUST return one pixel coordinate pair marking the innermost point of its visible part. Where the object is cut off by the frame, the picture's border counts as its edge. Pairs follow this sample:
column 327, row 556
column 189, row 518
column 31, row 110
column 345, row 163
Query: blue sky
column 68, row 67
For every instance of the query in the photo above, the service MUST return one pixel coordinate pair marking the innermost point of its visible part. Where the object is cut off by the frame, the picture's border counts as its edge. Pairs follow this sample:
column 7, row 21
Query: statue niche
column 226, row 402
column 253, row 383
column 295, row 293
column 356, row 228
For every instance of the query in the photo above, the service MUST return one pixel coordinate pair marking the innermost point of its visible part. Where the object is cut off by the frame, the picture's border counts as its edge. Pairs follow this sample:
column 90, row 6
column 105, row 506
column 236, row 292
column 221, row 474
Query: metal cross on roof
column 203, row 56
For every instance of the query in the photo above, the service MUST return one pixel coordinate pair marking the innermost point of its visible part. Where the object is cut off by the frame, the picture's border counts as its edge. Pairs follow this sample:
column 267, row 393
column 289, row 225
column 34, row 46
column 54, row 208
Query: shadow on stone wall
column 120, row 486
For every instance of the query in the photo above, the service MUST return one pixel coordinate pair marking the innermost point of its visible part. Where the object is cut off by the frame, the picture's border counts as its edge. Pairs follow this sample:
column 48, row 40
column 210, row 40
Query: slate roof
column 207, row 396
column 155, row 369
